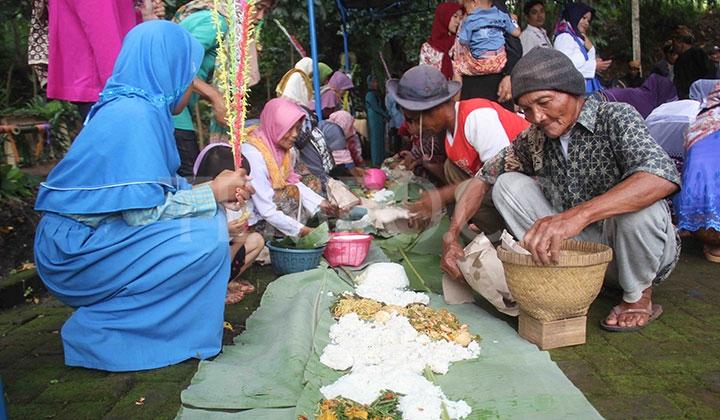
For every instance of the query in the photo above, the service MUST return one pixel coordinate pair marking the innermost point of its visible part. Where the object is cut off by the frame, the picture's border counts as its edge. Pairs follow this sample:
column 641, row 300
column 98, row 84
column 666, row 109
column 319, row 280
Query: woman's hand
column 358, row 173
column 602, row 65
column 212, row 94
column 237, row 229
column 329, row 209
column 304, row 231
column 232, row 186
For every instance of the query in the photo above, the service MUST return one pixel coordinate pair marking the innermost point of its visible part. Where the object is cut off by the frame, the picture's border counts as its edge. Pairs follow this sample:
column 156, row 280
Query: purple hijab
column 338, row 84
column 656, row 91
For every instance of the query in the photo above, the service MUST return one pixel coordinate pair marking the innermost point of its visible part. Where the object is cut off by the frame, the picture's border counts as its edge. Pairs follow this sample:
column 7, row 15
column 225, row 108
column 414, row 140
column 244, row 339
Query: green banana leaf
column 273, row 370
column 429, row 241
column 316, row 238
column 424, row 272
column 391, row 246
column 278, row 355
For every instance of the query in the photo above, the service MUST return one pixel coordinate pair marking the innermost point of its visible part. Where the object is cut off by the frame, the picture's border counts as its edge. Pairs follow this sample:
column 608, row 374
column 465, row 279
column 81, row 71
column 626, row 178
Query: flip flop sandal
column 653, row 314
column 712, row 258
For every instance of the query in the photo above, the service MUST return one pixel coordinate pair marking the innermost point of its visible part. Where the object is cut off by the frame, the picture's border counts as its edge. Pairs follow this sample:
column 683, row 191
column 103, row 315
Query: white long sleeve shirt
column 566, row 44
column 264, row 207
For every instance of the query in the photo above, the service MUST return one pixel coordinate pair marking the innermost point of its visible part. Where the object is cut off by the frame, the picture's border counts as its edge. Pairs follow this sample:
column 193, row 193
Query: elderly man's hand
column 452, row 252
column 544, row 238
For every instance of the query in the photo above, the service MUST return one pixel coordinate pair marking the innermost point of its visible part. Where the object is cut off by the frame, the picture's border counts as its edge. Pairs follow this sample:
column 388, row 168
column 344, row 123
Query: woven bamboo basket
column 565, row 290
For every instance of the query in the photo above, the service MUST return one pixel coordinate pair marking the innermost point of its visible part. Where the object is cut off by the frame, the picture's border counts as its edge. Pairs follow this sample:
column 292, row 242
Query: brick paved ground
column 670, row 370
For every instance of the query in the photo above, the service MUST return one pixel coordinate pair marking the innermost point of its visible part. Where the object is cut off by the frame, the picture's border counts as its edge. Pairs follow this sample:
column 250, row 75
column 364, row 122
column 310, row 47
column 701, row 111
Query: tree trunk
column 635, row 22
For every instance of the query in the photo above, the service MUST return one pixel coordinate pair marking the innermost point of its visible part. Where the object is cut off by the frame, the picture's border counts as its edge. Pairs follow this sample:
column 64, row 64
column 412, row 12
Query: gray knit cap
column 546, row 69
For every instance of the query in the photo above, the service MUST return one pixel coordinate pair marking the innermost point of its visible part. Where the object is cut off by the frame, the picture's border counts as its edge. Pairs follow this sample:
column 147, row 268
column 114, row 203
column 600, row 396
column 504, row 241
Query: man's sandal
column 618, row 311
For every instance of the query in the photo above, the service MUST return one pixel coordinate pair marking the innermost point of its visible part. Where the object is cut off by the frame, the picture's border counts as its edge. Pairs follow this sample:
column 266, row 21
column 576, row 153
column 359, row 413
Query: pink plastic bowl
column 374, row 179
column 347, row 249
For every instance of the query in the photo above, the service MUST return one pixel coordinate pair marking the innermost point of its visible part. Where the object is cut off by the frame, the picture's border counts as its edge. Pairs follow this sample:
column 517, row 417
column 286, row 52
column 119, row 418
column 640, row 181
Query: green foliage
column 15, row 76
column 14, row 184
column 62, row 116
column 397, row 34
column 316, row 238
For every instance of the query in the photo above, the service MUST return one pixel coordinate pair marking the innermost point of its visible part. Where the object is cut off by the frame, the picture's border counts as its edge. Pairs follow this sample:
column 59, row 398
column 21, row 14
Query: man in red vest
column 474, row 130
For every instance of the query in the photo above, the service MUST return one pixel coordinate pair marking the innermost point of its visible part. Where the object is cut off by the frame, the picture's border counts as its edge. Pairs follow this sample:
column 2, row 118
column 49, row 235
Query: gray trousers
column 645, row 245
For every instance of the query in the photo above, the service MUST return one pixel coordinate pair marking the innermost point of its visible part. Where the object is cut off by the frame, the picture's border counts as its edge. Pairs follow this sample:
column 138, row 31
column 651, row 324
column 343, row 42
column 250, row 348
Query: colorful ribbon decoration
column 232, row 66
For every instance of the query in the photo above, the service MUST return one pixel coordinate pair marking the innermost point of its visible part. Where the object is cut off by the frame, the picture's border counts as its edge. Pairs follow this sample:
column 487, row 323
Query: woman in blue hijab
column 141, row 255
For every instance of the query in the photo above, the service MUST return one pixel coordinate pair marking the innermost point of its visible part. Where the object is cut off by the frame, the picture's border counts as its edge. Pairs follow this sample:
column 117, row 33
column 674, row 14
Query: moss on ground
column 668, row 370
column 38, row 385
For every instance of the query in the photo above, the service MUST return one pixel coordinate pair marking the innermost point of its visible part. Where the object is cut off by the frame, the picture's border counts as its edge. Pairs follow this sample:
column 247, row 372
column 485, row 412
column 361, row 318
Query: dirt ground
column 17, row 230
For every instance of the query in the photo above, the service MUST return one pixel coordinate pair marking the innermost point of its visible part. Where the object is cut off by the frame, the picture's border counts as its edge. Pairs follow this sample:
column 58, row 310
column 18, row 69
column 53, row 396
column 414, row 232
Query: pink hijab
column 345, row 121
column 277, row 118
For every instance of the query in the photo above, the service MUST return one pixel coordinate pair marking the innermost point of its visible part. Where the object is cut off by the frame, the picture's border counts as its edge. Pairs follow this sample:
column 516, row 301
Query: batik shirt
column 608, row 143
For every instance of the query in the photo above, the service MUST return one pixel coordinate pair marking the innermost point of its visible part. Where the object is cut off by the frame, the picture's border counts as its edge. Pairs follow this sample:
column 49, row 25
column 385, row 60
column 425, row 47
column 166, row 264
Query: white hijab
column 296, row 89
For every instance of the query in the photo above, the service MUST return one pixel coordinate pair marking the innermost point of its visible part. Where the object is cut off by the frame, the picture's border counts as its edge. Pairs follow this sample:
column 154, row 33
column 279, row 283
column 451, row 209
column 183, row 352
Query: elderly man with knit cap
column 585, row 169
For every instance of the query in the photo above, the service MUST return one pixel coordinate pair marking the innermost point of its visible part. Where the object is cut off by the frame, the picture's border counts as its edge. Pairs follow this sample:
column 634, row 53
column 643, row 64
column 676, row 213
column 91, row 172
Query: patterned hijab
column 440, row 39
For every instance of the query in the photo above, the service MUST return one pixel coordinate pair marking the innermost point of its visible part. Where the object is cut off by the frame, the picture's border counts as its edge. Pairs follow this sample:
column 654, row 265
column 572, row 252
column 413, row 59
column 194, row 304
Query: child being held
column 480, row 44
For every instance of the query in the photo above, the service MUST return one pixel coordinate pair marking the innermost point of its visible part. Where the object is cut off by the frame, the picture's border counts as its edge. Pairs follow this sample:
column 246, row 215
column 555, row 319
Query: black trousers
column 485, row 87
column 187, row 146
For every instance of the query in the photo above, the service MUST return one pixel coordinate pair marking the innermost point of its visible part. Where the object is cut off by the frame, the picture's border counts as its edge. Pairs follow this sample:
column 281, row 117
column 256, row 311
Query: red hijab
column 439, row 37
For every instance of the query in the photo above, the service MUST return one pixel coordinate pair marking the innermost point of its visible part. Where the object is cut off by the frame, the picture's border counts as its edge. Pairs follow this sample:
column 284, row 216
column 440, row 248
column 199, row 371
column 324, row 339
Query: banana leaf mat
column 273, row 370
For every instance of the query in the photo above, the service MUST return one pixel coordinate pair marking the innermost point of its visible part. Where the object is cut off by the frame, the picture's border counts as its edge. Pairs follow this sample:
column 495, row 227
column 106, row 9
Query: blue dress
column 146, row 279
column 697, row 205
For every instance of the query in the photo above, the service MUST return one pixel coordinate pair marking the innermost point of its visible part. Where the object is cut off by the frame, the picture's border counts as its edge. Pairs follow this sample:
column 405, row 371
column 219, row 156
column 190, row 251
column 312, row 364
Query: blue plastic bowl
column 291, row 260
